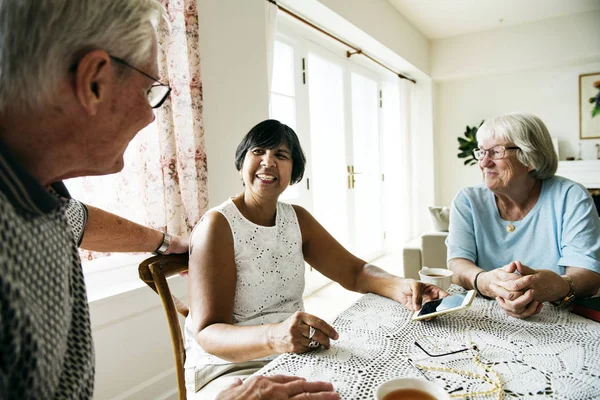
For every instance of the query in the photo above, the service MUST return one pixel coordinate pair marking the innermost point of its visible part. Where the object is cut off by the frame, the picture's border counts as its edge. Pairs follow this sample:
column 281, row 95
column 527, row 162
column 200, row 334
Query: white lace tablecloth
column 552, row 355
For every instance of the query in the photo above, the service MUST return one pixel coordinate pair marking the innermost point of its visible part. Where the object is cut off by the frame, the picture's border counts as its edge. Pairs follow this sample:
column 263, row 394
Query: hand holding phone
column 450, row 304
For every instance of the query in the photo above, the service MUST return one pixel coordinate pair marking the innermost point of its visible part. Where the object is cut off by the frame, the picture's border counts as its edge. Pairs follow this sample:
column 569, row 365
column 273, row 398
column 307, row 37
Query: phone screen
column 446, row 303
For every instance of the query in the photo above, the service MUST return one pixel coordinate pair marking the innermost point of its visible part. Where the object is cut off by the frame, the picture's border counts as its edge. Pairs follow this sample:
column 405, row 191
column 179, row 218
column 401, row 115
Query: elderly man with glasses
column 77, row 83
column 524, row 236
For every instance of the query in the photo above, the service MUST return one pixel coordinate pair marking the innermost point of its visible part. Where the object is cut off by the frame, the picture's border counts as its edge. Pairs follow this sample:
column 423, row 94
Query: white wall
column 532, row 68
column 570, row 40
column 385, row 24
column 233, row 61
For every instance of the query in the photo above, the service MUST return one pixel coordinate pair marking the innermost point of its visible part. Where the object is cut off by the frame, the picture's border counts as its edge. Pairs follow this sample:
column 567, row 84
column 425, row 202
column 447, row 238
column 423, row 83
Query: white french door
column 328, row 143
column 364, row 168
column 344, row 153
column 335, row 107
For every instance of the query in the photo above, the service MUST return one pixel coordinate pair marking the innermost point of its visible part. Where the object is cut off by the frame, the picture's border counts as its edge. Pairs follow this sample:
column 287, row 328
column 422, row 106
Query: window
column 131, row 193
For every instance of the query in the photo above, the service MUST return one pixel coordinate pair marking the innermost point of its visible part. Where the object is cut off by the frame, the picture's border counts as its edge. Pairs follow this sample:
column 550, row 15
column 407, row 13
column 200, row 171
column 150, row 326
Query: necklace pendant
column 510, row 227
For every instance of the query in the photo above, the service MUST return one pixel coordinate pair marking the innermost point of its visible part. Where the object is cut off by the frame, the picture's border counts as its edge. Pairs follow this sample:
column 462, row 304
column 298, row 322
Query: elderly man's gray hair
column 40, row 40
column 530, row 134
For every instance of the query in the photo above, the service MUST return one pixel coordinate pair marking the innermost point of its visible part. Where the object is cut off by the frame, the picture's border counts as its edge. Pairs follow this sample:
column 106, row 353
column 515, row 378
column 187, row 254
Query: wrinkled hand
column 411, row 293
column 278, row 387
column 522, row 307
column 291, row 335
column 179, row 245
column 516, row 292
column 541, row 285
column 501, row 282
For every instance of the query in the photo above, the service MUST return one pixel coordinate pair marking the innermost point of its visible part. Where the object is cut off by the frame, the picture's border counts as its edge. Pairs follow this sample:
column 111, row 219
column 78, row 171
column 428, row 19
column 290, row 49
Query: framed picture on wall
column 589, row 106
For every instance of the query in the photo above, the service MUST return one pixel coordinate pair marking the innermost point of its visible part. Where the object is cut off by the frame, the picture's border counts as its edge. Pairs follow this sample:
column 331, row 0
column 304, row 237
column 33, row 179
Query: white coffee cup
column 411, row 383
column 441, row 277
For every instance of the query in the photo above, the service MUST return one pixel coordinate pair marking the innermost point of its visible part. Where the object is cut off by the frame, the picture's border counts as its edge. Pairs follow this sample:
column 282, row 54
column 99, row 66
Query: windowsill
column 118, row 274
column 112, row 275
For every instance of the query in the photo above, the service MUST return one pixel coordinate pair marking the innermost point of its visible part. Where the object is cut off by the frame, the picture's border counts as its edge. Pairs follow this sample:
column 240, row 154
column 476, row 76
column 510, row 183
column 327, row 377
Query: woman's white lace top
column 270, row 274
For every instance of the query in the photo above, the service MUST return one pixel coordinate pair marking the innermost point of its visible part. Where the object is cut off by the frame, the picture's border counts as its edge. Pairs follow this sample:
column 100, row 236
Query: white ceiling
column 437, row 19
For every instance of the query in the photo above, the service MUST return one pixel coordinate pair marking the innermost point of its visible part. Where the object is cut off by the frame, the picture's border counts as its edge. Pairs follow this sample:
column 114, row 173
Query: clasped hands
column 520, row 290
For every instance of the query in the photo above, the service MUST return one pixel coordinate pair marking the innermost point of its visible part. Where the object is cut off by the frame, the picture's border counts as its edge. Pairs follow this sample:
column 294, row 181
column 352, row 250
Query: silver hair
column 530, row 134
column 41, row 40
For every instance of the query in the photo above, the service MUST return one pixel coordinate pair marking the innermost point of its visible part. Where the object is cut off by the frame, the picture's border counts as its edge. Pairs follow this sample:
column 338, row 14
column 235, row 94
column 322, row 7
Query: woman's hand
column 503, row 282
column 412, row 293
column 523, row 307
column 515, row 289
column 293, row 334
column 546, row 285
column 278, row 387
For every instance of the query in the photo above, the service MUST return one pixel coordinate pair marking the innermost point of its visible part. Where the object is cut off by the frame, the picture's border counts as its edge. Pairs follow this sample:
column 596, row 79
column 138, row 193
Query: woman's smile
column 266, row 178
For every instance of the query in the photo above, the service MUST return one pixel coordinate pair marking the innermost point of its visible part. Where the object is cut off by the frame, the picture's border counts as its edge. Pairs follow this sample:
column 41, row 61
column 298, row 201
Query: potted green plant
column 467, row 144
column 596, row 100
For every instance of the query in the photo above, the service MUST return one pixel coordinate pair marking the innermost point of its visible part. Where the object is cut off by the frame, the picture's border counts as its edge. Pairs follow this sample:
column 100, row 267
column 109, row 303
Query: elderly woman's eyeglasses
column 496, row 152
column 158, row 92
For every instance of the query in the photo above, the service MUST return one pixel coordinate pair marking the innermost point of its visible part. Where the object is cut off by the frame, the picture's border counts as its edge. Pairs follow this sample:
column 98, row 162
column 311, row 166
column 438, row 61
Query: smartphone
column 450, row 304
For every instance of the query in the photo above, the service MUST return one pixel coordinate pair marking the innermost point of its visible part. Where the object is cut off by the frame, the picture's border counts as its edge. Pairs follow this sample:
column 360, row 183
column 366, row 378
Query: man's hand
column 412, row 293
column 278, row 387
column 179, row 245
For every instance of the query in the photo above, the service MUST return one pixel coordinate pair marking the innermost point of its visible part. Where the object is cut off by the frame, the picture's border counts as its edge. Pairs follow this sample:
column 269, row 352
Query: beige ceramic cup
column 411, row 383
column 437, row 276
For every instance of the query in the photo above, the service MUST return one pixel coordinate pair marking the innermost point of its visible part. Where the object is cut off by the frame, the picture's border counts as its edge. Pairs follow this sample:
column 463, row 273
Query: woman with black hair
column 247, row 263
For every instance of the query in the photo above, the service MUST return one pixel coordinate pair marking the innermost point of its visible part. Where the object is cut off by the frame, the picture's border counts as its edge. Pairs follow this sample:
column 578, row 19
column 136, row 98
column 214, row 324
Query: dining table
column 480, row 352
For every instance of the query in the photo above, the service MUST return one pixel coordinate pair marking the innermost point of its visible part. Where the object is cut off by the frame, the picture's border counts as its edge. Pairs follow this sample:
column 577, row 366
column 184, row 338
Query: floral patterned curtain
column 180, row 124
column 164, row 182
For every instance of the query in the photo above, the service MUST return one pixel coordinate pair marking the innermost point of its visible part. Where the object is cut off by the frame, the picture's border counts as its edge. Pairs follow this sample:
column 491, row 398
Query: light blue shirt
column 562, row 230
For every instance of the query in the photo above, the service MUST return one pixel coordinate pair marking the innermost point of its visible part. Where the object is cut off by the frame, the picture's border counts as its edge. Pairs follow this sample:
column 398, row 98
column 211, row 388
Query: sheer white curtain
column 409, row 227
column 271, row 21
column 398, row 156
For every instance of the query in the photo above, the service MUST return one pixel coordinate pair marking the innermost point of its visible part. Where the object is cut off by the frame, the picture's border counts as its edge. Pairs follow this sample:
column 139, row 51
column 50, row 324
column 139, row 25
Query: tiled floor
column 329, row 301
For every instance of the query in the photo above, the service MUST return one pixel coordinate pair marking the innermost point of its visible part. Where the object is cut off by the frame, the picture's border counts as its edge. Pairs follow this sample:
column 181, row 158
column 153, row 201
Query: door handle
column 349, row 177
column 351, row 173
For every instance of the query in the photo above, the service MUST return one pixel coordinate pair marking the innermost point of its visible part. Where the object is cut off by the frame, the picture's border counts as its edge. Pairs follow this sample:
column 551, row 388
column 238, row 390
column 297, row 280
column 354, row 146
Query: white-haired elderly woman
column 524, row 236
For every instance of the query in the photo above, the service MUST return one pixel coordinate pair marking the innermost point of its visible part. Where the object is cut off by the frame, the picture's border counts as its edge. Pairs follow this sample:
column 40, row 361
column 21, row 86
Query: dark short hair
column 271, row 134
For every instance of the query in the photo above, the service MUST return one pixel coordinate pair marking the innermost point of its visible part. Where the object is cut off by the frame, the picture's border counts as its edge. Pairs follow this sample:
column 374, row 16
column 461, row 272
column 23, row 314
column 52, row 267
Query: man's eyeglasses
column 436, row 347
column 496, row 152
column 158, row 92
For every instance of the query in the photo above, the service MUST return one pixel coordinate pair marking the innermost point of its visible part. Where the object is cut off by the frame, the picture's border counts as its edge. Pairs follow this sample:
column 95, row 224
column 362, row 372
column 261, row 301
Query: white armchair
column 428, row 250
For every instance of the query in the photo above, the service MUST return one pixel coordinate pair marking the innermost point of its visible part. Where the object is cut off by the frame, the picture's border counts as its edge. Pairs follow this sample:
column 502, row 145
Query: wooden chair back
column 154, row 271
